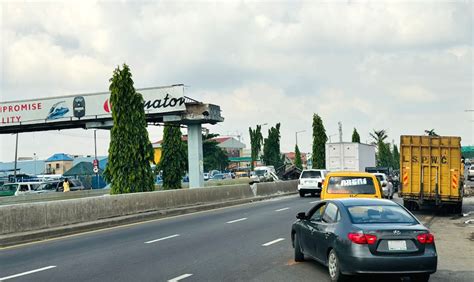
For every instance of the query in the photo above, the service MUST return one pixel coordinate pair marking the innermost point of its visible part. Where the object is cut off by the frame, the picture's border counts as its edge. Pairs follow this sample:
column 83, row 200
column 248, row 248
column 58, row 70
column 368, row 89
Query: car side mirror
column 301, row 215
column 384, row 184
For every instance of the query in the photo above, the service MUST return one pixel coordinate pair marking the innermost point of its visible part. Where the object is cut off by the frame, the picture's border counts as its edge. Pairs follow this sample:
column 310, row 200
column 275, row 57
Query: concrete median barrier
column 270, row 188
column 26, row 222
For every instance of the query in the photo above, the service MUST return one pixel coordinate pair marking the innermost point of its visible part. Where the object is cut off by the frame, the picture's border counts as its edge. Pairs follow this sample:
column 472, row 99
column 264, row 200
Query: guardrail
column 18, row 218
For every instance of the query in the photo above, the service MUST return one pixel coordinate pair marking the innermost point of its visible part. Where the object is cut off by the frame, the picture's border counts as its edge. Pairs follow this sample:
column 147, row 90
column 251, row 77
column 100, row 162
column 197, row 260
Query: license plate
column 399, row 245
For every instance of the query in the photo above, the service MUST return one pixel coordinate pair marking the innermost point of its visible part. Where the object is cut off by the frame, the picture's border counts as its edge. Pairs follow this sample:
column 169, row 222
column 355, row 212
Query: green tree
column 431, row 132
column 173, row 158
column 130, row 150
column 214, row 156
column 379, row 136
column 355, row 136
column 384, row 155
column 319, row 143
column 256, row 139
column 271, row 148
column 298, row 161
column 396, row 157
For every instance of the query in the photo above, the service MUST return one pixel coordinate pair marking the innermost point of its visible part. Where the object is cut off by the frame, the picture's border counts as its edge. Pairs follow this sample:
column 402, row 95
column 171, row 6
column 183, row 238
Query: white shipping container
column 349, row 156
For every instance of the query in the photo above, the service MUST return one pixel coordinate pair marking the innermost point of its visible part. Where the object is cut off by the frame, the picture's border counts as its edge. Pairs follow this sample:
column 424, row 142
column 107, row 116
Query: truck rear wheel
column 301, row 194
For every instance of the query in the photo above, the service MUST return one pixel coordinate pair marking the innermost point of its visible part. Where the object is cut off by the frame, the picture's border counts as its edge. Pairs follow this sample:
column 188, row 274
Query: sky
column 403, row 66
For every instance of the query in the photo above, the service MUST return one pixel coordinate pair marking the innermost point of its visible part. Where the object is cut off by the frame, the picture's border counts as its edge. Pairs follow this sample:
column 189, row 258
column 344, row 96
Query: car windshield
column 45, row 186
column 260, row 172
column 380, row 214
column 379, row 177
column 350, row 185
column 311, row 174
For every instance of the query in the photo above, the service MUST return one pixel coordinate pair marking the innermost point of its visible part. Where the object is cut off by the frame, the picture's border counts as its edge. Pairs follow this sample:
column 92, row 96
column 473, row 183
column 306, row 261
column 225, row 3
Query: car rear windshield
column 311, row 174
column 350, row 185
column 379, row 214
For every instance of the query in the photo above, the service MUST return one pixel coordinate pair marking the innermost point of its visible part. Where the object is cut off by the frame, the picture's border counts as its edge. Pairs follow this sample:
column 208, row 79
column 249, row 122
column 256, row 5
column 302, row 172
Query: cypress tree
column 298, row 161
column 396, row 157
column 256, row 140
column 355, row 136
column 130, row 150
column 173, row 159
column 271, row 148
column 319, row 143
column 385, row 157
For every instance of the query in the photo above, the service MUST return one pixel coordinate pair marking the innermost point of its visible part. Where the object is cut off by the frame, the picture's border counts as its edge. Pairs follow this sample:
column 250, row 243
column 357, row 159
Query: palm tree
column 431, row 132
column 379, row 136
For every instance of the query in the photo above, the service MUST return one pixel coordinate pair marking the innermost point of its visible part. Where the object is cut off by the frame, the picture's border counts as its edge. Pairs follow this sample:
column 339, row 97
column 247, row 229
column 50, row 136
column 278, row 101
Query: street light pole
column 296, row 135
column 95, row 157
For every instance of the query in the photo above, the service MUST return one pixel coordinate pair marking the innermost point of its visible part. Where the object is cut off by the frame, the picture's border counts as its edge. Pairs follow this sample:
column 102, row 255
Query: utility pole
column 340, row 131
column 296, row 135
column 96, row 162
column 16, row 156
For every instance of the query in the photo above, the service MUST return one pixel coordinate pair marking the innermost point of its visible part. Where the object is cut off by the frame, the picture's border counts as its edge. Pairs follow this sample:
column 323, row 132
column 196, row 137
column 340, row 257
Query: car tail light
column 362, row 239
column 426, row 238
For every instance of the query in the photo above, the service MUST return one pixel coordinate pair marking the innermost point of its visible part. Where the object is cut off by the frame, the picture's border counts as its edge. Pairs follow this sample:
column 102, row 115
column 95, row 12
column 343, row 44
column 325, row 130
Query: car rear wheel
column 299, row 256
column 334, row 267
column 301, row 194
column 420, row 278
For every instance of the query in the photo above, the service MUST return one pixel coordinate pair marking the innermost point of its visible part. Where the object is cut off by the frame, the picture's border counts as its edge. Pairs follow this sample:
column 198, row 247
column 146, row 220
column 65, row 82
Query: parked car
column 365, row 236
column 470, row 173
column 19, row 188
column 47, row 187
column 218, row 176
column 387, row 186
column 344, row 184
column 311, row 181
column 8, row 189
column 74, row 185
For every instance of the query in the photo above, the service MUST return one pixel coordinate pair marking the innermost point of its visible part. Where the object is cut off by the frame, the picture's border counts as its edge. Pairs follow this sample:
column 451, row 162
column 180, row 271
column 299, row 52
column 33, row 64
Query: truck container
column 349, row 156
column 431, row 171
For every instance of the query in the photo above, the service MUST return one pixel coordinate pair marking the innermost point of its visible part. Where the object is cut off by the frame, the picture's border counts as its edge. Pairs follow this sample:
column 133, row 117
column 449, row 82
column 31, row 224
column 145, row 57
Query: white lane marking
column 180, row 277
column 283, row 209
column 314, row 202
column 273, row 242
column 161, row 239
column 237, row 220
column 28, row 272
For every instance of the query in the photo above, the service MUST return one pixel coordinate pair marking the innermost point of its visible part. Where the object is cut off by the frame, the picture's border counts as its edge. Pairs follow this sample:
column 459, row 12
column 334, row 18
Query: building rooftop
column 59, row 158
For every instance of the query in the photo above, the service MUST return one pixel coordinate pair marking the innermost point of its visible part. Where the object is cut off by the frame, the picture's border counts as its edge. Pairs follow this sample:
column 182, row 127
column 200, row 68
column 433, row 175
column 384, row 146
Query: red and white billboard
column 86, row 106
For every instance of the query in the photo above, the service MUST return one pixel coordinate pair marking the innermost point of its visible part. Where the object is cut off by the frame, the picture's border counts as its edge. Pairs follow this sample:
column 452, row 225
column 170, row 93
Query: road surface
column 250, row 242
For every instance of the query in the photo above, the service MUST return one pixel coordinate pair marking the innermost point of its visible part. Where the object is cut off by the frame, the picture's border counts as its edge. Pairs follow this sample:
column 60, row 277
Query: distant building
column 290, row 157
column 58, row 164
column 231, row 146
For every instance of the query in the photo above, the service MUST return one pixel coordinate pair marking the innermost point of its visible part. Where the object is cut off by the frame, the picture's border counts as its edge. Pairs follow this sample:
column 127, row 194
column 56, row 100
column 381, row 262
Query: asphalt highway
column 250, row 242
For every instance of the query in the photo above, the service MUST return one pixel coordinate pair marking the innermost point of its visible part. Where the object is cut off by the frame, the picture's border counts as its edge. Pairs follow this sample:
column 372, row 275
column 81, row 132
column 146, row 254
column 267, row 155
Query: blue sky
column 404, row 66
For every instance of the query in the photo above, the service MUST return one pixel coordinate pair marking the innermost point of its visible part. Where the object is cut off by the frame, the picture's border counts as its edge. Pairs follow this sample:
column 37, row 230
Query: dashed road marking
column 181, row 277
column 273, row 242
column 283, row 209
column 27, row 272
column 314, row 202
column 237, row 220
column 161, row 239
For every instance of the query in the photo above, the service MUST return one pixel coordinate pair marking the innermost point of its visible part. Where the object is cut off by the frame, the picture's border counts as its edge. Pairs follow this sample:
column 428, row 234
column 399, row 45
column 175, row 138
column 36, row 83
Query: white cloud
column 404, row 66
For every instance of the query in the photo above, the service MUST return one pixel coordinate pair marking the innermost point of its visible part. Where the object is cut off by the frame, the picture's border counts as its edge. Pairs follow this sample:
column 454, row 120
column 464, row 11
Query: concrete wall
column 42, row 215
